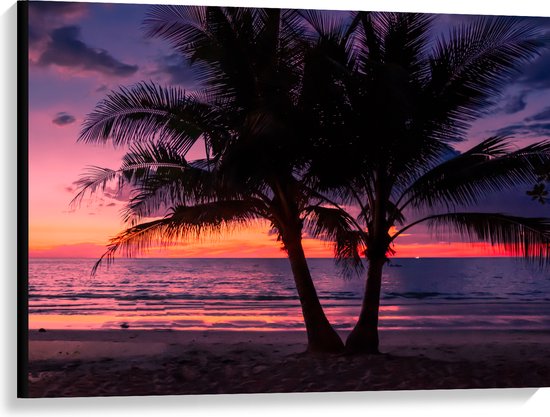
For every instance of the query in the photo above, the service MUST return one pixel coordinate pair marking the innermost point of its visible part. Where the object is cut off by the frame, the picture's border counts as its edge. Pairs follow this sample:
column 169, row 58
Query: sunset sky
column 80, row 51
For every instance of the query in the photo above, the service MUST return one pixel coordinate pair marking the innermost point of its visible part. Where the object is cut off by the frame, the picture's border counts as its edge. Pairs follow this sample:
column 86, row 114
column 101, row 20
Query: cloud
column 44, row 16
column 48, row 9
column 535, row 126
column 536, row 74
column 525, row 130
column 513, row 201
column 540, row 129
column 34, row 35
column 63, row 118
column 65, row 49
column 515, row 104
column 177, row 69
column 517, row 129
column 124, row 194
column 543, row 115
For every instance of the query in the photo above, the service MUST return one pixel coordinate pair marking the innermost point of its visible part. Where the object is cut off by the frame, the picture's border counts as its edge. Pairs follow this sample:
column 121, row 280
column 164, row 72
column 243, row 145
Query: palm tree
column 252, row 117
column 409, row 97
column 539, row 192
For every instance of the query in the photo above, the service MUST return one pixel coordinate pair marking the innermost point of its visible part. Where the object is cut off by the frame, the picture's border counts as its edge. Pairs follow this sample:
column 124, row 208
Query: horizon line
column 267, row 257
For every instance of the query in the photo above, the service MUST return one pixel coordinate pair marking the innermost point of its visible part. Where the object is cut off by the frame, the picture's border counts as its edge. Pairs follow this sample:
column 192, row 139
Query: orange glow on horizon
column 254, row 245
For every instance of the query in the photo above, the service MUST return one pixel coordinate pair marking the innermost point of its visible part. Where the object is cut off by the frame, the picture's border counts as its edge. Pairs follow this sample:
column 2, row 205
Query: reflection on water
column 259, row 294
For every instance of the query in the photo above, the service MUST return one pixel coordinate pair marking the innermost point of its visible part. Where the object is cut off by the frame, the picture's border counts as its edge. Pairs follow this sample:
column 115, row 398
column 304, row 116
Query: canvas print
column 257, row 200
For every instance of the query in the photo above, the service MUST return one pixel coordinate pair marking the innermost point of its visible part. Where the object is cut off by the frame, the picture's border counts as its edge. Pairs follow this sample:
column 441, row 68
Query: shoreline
column 66, row 363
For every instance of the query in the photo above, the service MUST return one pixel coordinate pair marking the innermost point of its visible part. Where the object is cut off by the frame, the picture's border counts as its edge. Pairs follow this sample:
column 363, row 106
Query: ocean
column 259, row 294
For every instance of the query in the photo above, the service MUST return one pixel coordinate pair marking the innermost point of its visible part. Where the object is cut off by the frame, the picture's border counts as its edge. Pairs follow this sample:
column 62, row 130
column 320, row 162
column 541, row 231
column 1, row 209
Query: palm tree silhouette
column 254, row 116
column 294, row 127
column 409, row 98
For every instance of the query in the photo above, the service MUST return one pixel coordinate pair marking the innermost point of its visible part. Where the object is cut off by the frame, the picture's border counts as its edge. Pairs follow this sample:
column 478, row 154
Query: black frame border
column 22, row 198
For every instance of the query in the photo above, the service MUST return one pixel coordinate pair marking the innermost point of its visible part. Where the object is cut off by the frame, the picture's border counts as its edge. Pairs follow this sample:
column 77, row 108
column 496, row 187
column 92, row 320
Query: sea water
column 259, row 294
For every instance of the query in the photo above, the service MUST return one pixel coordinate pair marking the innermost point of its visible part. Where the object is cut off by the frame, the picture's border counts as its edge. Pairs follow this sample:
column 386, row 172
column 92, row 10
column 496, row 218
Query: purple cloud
column 534, row 126
column 536, row 75
column 66, row 50
column 515, row 104
column 525, row 130
column 542, row 116
column 45, row 15
column 63, row 118
column 177, row 69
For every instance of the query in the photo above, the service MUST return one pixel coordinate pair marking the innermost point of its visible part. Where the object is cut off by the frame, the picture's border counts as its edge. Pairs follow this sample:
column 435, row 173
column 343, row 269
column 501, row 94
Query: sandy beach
column 72, row 363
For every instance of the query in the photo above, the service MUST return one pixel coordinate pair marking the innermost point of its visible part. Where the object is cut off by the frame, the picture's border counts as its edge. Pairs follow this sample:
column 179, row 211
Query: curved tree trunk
column 364, row 336
column 320, row 334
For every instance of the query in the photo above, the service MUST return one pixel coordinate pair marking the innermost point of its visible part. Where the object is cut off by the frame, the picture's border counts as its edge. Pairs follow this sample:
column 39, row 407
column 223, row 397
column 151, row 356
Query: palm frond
column 93, row 179
column 204, row 35
column 337, row 226
column 147, row 112
column 184, row 27
column 520, row 236
column 349, row 250
column 396, row 39
column 385, row 91
column 367, row 39
column 194, row 185
column 471, row 66
column 96, row 178
column 406, row 40
column 166, row 180
column 465, row 179
column 326, row 24
column 183, row 223
column 293, row 36
column 326, row 222
column 141, row 162
column 538, row 193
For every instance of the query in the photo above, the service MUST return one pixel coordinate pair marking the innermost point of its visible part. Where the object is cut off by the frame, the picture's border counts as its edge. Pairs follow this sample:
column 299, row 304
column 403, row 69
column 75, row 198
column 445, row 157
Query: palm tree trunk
column 320, row 334
column 364, row 336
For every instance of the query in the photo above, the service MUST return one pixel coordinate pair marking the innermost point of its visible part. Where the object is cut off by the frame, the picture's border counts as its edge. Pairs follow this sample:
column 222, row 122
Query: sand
column 65, row 363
